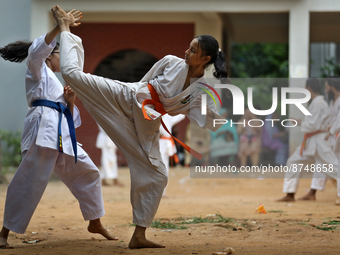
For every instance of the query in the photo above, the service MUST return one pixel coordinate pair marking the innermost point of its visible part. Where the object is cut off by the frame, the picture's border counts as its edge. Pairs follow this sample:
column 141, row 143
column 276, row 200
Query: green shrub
column 332, row 67
column 10, row 148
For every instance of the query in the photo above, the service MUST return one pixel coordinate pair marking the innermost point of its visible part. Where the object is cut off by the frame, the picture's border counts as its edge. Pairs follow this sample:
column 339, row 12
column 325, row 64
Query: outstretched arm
column 74, row 15
column 51, row 35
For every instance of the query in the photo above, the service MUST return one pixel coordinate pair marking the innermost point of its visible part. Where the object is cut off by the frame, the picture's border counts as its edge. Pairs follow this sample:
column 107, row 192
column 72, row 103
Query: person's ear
column 49, row 57
column 206, row 59
column 309, row 89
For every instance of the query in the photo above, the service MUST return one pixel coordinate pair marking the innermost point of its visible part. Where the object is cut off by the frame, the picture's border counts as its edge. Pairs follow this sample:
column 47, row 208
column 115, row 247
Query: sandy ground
column 287, row 228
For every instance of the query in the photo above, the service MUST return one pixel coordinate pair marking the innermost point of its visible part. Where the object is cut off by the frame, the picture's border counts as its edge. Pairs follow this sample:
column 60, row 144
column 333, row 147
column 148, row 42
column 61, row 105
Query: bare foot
column 96, row 227
column 116, row 182
column 287, row 198
column 139, row 241
column 3, row 243
column 105, row 183
column 3, row 238
column 308, row 197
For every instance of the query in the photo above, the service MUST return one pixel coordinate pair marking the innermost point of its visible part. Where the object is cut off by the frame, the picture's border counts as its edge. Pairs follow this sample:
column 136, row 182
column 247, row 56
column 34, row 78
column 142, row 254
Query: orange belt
column 308, row 135
column 159, row 108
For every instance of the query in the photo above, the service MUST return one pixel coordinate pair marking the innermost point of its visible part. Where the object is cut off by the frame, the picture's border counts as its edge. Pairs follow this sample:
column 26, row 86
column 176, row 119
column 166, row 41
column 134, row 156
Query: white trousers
column 291, row 181
column 111, row 104
column 319, row 181
column 109, row 168
column 30, row 180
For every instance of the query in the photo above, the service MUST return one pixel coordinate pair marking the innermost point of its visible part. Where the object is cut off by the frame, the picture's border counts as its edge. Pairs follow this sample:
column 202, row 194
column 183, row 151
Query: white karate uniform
column 317, row 150
column 166, row 145
column 335, row 128
column 319, row 179
column 116, row 107
column 109, row 163
column 40, row 154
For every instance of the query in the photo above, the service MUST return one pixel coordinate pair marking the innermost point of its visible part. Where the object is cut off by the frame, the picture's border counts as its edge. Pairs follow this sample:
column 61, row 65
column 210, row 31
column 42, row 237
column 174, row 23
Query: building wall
column 33, row 18
column 12, row 85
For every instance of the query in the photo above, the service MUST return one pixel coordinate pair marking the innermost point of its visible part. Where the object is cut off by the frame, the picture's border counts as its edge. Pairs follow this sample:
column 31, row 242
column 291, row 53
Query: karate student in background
column 40, row 141
column 332, row 90
column 315, row 151
column 109, row 162
column 170, row 86
column 249, row 140
column 166, row 142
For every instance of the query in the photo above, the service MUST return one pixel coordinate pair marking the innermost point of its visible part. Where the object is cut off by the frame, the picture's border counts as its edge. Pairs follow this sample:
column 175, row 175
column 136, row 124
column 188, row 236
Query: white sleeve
column 76, row 117
column 313, row 122
column 204, row 121
column 37, row 54
column 156, row 69
column 336, row 125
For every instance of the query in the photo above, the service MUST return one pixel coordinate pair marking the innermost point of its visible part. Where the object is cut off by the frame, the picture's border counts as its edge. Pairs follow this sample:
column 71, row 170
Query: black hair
column 56, row 47
column 17, row 51
column 334, row 81
column 210, row 47
column 315, row 85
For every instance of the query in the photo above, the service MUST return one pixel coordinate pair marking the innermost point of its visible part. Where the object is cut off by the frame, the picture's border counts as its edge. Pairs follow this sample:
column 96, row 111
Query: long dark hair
column 210, row 47
column 17, row 51
column 334, row 81
column 315, row 85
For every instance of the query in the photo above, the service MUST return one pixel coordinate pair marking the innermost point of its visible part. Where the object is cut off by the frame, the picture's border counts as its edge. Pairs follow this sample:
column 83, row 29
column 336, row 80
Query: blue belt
column 63, row 110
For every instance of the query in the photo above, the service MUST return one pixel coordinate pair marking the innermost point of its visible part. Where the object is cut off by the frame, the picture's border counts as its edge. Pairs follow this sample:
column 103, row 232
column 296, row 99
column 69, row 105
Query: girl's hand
column 69, row 95
column 75, row 16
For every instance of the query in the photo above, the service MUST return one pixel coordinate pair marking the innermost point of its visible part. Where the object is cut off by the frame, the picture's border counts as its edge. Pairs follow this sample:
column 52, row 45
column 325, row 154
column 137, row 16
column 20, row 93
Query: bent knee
column 71, row 77
column 165, row 180
column 162, row 177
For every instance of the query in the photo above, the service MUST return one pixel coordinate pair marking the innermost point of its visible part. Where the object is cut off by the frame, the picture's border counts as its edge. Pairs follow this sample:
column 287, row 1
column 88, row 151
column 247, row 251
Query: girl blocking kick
column 130, row 113
column 41, row 140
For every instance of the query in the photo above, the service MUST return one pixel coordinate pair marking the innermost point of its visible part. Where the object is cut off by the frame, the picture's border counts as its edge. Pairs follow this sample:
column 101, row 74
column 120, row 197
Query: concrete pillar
column 298, row 62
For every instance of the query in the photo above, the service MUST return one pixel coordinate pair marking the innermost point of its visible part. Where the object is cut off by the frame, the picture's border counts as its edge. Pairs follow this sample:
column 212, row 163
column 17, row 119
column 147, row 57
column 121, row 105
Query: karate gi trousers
column 109, row 169
column 30, row 181
column 291, row 181
column 113, row 106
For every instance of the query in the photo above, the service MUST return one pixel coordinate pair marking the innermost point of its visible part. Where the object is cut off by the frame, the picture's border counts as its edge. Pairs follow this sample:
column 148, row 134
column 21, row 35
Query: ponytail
column 16, row 51
column 220, row 65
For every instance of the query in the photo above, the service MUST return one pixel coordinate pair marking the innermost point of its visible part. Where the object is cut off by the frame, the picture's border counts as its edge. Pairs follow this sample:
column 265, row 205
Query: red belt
column 308, row 135
column 159, row 108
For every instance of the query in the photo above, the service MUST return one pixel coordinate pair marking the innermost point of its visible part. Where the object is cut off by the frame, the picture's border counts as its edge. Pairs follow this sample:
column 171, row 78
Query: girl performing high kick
column 130, row 113
column 48, row 131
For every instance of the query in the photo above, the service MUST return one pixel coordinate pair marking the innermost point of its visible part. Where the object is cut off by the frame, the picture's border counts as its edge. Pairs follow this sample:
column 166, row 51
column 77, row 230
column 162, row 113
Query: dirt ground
column 287, row 228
